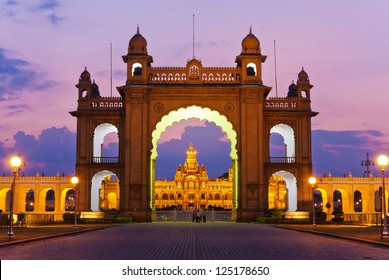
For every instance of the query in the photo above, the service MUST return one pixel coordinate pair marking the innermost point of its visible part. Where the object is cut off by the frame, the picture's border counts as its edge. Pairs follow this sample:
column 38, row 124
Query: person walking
column 194, row 215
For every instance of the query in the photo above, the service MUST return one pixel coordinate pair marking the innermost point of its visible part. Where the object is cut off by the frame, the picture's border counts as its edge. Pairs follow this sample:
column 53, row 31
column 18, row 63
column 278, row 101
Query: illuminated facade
column 234, row 98
column 47, row 198
column 192, row 189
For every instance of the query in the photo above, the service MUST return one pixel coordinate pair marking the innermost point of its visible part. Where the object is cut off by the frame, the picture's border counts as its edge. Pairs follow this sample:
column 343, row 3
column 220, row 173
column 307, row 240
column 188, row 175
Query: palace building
column 154, row 98
column 192, row 189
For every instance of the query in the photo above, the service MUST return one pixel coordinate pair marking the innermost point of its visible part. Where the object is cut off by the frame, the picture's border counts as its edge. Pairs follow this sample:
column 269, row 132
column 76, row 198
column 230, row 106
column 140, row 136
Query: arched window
column 251, row 69
column 105, row 144
column 50, row 201
column 217, row 196
column 282, row 144
column 137, row 69
column 171, row 196
column 165, row 196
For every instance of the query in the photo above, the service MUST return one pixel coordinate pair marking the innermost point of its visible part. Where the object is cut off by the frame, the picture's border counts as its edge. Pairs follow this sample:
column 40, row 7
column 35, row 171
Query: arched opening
column 282, row 191
column 185, row 114
column 70, row 199
column 104, row 183
column 358, row 201
column 50, row 201
column 109, row 193
column 136, row 69
column 30, row 201
column 279, row 153
column 7, row 199
column 251, row 69
column 322, row 203
column 105, row 144
column 318, row 200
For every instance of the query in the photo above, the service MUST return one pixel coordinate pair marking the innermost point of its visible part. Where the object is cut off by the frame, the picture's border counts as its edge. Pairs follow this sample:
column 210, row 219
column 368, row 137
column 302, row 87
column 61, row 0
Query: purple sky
column 342, row 45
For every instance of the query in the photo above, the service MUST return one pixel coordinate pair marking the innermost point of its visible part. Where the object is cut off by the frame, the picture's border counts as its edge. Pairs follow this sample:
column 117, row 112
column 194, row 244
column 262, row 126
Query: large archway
column 201, row 114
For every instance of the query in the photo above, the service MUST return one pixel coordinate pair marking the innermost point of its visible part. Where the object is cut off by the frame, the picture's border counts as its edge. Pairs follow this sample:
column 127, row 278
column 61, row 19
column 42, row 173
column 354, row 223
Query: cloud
column 342, row 152
column 21, row 11
column 47, row 5
column 54, row 19
column 17, row 74
column 211, row 152
column 177, row 130
column 53, row 151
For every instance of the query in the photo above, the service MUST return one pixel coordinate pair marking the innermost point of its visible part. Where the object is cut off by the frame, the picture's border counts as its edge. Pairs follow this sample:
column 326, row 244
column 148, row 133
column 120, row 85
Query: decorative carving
column 229, row 107
column 158, row 107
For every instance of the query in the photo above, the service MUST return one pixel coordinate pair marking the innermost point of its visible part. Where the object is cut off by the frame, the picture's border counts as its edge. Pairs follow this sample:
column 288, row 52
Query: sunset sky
column 46, row 44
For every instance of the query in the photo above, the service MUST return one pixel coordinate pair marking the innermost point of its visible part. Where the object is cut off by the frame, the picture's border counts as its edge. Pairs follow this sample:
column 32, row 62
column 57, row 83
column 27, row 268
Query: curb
column 362, row 240
column 44, row 237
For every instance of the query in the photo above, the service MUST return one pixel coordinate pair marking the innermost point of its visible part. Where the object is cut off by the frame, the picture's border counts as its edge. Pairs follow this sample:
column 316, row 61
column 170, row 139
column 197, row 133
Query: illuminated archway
column 202, row 114
column 96, row 185
column 291, row 188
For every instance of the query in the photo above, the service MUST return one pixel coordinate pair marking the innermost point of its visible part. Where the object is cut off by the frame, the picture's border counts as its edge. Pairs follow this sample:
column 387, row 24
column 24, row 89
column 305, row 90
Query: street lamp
column 312, row 181
column 74, row 181
column 15, row 162
column 382, row 161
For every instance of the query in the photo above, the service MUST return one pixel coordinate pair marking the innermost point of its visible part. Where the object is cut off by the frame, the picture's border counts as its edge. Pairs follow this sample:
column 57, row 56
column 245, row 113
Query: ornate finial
column 302, row 68
column 137, row 29
column 251, row 27
column 85, row 68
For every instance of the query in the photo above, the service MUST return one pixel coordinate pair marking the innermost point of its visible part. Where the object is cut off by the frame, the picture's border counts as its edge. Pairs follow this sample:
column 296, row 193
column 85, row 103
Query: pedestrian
column 198, row 216
column 194, row 215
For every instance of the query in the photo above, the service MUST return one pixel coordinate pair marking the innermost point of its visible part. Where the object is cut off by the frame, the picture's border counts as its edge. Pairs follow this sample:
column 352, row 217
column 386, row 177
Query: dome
column 303, row 76
column 250, row 44
column 85, row 75
column 137, row 44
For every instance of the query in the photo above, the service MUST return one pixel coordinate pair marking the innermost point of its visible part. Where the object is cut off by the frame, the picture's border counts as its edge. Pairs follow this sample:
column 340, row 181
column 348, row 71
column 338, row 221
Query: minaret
column 191, row 164
column 137, row 59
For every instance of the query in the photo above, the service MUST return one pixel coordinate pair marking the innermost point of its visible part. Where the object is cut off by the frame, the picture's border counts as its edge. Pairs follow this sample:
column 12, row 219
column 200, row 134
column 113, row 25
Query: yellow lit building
column 192, row 189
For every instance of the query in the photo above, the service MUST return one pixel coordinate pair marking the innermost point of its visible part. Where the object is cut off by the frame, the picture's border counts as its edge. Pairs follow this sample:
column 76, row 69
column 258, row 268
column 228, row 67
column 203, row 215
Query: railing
column 181, row 75
column 286, row 103
column 105, row 160
column 101, row 103
column 370, row 219
column 182, row 216
column 287, row 160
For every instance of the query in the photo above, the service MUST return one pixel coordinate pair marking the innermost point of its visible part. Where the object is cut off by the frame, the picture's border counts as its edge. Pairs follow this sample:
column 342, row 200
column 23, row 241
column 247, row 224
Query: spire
column 251, row 27
column 137, row 29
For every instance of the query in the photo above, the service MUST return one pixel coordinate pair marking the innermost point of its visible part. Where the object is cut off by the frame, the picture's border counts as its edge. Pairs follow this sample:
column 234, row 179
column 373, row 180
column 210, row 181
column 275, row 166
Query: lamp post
column 312, row 181
column 15, row 162
column 74, row 181
column 382, row 161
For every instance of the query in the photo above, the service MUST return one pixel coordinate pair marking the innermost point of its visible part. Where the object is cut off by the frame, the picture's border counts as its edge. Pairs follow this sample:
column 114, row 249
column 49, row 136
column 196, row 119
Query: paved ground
column 195, row 241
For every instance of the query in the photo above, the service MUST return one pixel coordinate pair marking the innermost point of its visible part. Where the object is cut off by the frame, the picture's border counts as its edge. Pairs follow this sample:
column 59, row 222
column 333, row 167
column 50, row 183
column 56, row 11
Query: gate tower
column 152, row 98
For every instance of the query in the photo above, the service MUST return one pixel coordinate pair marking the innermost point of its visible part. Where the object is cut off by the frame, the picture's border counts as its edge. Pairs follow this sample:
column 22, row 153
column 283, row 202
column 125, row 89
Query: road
column 187, row 241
